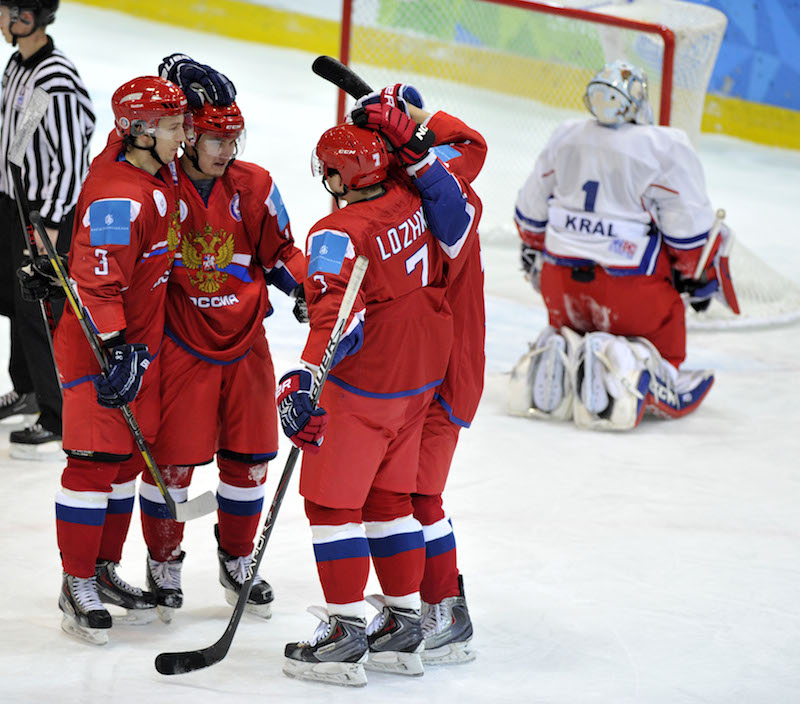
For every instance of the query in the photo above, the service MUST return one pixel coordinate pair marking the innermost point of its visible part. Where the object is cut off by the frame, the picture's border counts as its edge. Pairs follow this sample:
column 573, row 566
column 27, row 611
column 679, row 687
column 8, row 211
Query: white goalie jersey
column 614, row 196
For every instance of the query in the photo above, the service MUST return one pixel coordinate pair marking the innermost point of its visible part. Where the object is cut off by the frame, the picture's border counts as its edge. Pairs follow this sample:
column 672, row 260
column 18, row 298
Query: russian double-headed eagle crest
column 205, row 254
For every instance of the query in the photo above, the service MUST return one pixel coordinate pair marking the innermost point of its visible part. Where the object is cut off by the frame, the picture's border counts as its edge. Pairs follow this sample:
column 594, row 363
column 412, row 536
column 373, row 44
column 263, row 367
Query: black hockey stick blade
column 340, row 75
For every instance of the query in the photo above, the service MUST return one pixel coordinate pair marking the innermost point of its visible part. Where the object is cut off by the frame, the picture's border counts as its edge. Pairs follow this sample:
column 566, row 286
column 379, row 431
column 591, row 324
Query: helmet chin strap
column 151, row 149
column 335, row 195
column 13, row 18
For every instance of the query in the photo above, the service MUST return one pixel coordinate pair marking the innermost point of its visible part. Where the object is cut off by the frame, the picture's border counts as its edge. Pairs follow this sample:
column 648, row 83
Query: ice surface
column 661, row 566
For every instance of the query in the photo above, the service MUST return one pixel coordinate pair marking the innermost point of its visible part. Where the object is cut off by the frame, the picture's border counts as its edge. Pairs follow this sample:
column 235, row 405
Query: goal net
column 514, row 70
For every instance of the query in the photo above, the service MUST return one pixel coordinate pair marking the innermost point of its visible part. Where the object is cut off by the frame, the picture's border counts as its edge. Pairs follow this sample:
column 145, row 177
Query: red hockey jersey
column 217, row 294
column 464, row 151
column 399, row 338
column 124, row 240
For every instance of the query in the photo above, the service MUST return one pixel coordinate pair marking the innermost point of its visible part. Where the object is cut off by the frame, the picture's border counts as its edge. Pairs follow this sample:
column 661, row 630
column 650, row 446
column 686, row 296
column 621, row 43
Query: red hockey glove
column 410, row 140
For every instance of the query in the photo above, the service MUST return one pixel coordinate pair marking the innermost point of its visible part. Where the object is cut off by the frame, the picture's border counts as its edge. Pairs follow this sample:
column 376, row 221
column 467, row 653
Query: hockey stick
column 190, row 660
column 199, row 506
column 713, row 233
column 343, row 76
column 35, row 110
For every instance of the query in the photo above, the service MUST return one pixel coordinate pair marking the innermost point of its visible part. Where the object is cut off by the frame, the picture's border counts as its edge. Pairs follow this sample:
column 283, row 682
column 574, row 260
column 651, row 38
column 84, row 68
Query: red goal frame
column 666, row 34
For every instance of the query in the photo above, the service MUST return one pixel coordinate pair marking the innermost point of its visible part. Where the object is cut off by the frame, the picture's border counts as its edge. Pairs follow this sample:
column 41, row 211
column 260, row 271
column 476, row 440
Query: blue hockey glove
column 199, row 83
column 303, row 424
column 127, row 365
column 397, row 95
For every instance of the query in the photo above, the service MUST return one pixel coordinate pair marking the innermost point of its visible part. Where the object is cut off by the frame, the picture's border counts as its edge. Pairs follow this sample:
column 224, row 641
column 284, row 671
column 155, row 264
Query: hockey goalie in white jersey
column 615, row 224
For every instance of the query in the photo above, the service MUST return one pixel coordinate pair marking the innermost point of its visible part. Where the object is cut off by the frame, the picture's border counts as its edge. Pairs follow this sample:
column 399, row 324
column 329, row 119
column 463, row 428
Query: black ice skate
column 164, row 580
column 395, row 640
column 85, row 617
column 233, row 574
column 140, row 606
column 34, row 443
column 14, row 404
column 447, row 629
column 335, row 654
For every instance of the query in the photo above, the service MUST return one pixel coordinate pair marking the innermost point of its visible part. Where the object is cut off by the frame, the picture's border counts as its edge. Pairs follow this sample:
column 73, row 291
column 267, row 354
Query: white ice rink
column 660, row 566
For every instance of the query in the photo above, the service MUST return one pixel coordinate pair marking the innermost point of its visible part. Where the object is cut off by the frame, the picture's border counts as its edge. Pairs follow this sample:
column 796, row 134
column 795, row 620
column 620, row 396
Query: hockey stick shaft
column 188, row 661
column 340, row 75
column 200, row 506
column 31, row 118
column 713, row 233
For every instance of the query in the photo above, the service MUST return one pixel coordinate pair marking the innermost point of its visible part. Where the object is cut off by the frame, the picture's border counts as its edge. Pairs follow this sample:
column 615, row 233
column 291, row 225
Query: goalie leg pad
column 540, row 382
column 672, row 393
column 611, row 381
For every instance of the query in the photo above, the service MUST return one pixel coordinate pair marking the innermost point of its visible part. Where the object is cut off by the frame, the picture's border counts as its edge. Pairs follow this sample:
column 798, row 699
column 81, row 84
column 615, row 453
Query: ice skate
column 395, row 640
column 16, row 407
column 335, row 654
column 233, row 574
column 140, row 606
column 85, row 617
column 447, row 630
column 35, row 443
column 164, row 580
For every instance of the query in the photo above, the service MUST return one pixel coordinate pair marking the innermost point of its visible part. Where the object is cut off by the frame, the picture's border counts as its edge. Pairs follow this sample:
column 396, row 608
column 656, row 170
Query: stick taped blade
column 31, row 118
column 199, row 506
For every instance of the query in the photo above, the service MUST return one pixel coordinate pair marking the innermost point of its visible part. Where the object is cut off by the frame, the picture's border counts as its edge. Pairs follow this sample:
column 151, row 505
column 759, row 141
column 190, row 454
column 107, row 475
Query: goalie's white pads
column 619, row 379
column 540, row 384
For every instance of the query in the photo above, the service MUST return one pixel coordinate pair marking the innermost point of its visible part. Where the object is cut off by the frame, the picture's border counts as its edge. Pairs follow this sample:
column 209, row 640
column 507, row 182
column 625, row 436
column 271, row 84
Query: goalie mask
column 618, row 94
column 358, row 155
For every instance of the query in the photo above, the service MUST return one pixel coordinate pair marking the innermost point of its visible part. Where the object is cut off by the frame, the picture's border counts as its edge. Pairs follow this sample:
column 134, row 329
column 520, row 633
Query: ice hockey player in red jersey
column 218, row 383
column 615, row 222
column 357, row 483
column 446, row 624
column 125, row 238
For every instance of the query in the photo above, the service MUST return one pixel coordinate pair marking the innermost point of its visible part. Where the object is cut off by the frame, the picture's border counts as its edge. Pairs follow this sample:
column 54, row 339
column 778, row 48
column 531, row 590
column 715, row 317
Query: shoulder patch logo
column 236, row 212
column 161, row 202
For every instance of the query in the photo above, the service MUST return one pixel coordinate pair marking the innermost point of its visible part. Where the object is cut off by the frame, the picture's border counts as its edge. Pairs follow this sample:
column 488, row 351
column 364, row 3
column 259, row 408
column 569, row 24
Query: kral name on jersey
column 214, row 301
column 402, row 236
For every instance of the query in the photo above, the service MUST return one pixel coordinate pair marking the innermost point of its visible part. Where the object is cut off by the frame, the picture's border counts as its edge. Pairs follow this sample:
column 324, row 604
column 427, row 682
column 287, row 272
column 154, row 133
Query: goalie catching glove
column 38, row 280
column 302, row 423
column 199, row 83
column 411, row 141
column 127, row 365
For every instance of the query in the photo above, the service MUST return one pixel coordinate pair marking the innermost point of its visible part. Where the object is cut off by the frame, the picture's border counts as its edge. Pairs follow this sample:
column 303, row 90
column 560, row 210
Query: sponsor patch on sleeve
column 110, row 222
column 328, row 251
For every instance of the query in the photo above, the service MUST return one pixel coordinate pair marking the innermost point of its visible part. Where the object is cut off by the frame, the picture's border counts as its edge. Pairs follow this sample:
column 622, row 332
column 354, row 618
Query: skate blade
column 396, row 663
column 261, row 610
column 165, row 613
column 23, row 420
column 450, row 654
column 135, row 617
column 46, row 452
column 343, row 674
column 94, row 636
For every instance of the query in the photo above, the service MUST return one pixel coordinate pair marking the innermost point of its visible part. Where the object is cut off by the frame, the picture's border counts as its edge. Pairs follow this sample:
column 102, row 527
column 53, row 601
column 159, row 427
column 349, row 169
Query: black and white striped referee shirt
column 57, row 159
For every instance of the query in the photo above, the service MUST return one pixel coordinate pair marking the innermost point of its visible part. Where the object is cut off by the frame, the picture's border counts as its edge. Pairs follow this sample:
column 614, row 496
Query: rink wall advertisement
column 754, row 91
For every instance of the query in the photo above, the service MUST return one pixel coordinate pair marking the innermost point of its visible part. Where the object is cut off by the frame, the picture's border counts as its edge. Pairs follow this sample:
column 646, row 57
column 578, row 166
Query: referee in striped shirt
column 55, row 165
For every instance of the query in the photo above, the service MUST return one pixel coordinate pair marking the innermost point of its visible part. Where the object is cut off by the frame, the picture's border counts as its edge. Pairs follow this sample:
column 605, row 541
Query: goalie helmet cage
column 515, row 70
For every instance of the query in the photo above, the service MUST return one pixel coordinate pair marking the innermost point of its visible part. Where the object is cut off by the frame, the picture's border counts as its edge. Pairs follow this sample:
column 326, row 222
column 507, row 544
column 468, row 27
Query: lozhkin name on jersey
column 214, row 301
column 396, row 239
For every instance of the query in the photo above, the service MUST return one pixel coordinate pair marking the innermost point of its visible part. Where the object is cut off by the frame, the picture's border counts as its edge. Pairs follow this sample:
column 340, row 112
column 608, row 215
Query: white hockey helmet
column 618, row 94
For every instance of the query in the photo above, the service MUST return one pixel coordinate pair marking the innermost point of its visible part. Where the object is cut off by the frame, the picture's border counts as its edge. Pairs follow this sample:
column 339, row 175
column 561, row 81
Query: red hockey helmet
column 358, row 155
column 218, row 123
column 139, row 104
